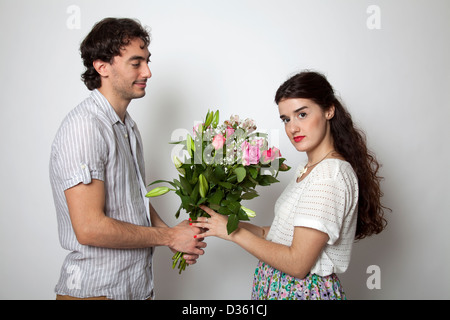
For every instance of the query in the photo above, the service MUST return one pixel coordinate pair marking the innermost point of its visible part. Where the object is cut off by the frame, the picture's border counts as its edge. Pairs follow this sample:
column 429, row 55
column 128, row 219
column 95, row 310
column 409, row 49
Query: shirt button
column 83, row 166
column 126, row 136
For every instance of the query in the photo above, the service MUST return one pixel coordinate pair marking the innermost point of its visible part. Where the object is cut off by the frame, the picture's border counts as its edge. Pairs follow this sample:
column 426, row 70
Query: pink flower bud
column 218, row 141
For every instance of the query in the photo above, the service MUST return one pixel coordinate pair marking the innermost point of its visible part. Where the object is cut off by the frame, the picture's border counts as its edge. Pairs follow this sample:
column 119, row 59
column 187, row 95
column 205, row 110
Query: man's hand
column 183, row 241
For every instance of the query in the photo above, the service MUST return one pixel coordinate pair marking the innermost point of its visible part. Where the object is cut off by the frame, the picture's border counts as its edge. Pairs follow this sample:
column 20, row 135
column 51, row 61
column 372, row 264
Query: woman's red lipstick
column 298, row 138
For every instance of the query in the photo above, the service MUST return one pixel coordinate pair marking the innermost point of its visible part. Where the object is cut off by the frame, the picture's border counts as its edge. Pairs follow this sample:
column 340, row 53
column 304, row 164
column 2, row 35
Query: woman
column 332, row 200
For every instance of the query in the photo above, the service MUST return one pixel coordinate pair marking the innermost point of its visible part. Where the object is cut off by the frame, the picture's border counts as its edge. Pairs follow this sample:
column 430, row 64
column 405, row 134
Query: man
column 97, row 176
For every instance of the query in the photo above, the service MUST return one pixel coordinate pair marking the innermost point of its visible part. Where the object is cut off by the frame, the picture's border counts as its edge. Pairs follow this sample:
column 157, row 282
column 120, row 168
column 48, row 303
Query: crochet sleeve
column 323, row 206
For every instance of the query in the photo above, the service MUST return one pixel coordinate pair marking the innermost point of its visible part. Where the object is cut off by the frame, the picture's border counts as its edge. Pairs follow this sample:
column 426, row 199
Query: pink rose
column 229, row 131
column 270, row 154
column 218, row 141
column 250, row 153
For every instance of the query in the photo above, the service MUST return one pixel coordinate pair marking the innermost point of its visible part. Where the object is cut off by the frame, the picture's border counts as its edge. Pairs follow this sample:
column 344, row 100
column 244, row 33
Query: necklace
column 306, row 167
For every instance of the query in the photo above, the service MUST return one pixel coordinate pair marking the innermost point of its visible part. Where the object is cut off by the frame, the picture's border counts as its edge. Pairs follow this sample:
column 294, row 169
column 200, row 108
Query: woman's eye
column 302, row 115
column 285, row 120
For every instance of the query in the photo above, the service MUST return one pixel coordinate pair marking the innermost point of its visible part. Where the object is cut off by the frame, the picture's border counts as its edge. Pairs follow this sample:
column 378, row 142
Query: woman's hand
column 216, row 225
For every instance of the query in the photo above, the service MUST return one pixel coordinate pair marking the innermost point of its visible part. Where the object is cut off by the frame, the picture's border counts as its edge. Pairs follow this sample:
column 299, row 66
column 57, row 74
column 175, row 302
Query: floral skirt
column 272, row 284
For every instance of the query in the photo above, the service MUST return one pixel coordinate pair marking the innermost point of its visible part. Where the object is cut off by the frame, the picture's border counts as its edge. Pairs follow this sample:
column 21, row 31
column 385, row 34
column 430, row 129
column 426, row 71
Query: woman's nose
column 293, row 127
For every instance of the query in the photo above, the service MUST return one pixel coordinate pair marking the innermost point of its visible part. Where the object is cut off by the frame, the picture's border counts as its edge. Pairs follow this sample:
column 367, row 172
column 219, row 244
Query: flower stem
column 178, row 259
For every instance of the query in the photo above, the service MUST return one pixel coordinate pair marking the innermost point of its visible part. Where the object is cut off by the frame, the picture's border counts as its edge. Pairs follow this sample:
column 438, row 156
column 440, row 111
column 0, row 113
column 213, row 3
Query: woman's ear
column 329, row 114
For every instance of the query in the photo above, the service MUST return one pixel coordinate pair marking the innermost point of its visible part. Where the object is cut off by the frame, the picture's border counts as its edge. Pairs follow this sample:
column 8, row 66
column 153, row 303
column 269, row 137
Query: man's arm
column 92, row 227
column 156, row 219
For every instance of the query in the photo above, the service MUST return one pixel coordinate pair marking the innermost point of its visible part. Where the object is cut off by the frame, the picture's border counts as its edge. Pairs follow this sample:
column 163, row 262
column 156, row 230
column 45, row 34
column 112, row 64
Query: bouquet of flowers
column 226, row 162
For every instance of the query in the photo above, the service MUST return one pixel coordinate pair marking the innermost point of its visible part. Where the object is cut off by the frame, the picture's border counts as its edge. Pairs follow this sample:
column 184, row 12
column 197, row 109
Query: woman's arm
column 256, row 230
column 295, row 260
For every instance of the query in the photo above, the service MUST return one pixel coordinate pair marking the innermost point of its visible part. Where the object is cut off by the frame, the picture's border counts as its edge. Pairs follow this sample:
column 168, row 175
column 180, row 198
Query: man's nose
column 146, row 72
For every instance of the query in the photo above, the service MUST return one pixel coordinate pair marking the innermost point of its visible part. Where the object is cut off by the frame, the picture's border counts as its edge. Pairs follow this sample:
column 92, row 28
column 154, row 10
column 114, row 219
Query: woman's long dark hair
column 349, row 141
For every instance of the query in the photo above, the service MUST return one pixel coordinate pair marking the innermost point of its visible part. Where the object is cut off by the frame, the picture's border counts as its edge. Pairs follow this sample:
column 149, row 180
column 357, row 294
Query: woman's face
column 306, row 124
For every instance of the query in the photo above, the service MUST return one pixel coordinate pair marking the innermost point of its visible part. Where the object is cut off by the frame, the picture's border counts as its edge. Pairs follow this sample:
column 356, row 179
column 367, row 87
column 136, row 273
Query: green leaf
column 209, row 175
column 253, row 172
column 234, row 196
column 178, row 142
column 177, row 183
column 234, row 206
column 177, row 214
column 249, row 183
column 216, row 197
column 194, row 194
column 240, row 173
column 232, row 224
column 202, row 200
column 187, row 171
column 159, row 181
column 269, row 179
column 186, row 202
column 219, row 172
column 225, row 211
column 226, row 185
column 186, row 185
column 242, row 215
column 232, row 178
column 214, row 206
column 250, row 194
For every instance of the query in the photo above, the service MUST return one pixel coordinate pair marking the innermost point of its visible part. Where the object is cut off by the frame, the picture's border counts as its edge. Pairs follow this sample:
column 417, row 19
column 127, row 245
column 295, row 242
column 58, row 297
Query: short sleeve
column 322, row 207
column 79, row 153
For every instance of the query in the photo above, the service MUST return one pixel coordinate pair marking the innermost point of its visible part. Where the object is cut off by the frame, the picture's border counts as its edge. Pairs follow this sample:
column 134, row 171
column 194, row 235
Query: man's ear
column 101, row 67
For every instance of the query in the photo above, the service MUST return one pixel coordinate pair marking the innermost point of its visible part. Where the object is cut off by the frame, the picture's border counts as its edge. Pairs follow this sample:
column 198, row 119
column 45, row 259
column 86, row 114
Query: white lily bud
column 250, row 213
column 178, row 165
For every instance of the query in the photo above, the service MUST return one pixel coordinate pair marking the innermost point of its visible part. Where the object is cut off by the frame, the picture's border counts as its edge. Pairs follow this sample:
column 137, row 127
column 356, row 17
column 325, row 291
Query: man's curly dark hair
column 105, row 41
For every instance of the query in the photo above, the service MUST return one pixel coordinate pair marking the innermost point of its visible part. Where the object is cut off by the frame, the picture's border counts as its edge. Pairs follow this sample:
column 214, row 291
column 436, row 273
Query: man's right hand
column 183, row 240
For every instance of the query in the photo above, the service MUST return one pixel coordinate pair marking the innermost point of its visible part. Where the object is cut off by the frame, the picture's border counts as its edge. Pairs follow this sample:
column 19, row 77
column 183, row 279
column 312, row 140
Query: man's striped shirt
column 93, row 143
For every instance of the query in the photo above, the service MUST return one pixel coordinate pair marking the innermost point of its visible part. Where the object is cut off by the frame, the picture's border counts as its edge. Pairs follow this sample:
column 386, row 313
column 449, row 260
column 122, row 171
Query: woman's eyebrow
column 282, row 116
column 300, row 109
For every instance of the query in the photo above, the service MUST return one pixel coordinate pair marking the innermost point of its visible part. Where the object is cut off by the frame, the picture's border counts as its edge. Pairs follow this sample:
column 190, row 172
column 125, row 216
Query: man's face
column 129, row 71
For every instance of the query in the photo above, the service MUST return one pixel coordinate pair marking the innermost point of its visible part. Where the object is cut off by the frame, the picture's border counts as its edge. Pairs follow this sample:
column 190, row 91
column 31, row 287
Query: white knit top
column 326, row 200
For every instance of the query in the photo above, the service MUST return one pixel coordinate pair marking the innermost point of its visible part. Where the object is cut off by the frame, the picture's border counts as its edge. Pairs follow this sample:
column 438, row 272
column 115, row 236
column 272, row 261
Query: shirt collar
column 109, row 111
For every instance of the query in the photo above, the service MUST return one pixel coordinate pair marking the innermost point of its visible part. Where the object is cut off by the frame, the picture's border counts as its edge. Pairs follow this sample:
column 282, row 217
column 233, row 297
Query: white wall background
column 233, row 55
